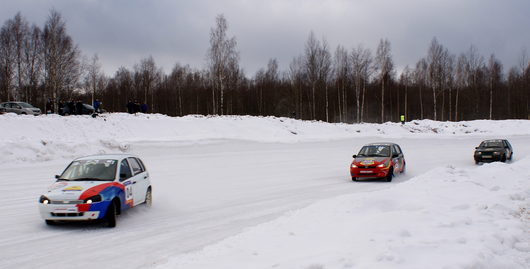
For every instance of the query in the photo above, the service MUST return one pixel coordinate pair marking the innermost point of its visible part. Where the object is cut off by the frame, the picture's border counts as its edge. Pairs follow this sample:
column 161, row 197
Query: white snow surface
column 446, row 218
column 266, row 192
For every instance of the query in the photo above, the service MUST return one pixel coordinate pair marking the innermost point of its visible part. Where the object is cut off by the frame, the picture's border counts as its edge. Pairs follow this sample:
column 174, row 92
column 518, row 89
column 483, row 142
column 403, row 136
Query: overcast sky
column 122, row 32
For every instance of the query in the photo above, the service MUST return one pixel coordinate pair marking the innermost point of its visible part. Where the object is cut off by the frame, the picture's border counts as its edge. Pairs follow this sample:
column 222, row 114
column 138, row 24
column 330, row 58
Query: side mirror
column 354, row 156
column 476, row 147
column 123, row 177
column 57, row 176
column 395, row 155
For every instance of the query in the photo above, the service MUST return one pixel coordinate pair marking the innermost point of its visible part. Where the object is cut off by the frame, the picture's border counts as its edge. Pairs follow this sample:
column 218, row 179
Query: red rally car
column 378, row 160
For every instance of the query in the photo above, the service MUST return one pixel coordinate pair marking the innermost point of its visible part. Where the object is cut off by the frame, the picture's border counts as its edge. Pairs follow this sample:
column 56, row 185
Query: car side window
column 394, row 150
column 125, row 170
column 141, row 164
column 136, row 167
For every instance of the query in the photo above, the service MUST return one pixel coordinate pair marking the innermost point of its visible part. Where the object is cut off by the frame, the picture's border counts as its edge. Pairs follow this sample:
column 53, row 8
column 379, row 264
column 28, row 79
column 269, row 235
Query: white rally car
column 97, row 187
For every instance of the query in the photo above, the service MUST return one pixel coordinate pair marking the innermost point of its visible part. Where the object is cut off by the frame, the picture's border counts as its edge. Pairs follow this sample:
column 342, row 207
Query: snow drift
column 47, row 137
column 446, row 218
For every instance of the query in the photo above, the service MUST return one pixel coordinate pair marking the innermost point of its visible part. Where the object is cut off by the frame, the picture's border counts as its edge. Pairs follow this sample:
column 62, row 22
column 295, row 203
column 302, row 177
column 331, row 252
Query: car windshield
column 90, row 170
column 375, row 151
column 491, row 144
column 25, row 105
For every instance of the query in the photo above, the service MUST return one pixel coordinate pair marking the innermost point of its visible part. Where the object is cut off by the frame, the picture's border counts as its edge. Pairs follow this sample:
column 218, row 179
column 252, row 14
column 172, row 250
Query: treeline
column 340, row 85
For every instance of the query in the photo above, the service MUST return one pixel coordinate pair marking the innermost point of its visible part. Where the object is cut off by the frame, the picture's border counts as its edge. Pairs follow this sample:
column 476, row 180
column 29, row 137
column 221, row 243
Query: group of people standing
column 72, row 107
column 135, row 107
column 65, row 107
column 78, row 108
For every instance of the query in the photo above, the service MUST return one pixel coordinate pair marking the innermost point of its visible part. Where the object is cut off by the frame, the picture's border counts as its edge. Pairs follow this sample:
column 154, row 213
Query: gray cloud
column 122, row 32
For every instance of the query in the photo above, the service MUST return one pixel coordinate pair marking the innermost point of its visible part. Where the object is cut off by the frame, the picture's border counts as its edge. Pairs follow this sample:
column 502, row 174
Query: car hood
column 71, row 190
column 364, row 161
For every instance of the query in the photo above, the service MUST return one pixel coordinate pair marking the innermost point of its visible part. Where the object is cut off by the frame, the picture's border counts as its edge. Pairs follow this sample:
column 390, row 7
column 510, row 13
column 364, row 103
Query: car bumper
column 488, row 158
column 369, row 172
column 66, row 213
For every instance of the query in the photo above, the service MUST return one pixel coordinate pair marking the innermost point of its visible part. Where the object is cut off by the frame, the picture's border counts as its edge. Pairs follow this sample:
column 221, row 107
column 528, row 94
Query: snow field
column 48, row 137
column 214, row 182
column 446, row 218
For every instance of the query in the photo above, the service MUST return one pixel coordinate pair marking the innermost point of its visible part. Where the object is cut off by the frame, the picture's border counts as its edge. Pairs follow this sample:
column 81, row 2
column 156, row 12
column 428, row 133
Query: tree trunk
column 421, row 103
column 382, row 100
column 434, row 102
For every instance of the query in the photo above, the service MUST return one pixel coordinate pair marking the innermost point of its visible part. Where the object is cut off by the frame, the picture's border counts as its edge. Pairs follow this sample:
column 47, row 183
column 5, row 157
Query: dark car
column 493, row 150
column 378, row 160
column 87, row 110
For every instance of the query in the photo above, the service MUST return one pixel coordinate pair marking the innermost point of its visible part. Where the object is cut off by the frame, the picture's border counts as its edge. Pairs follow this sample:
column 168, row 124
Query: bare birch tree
column 61, row 59
column 223, row 57
column 494, row 73
column 341, row 75
column 385, row 66
column 362, row 68
column 421, row 77
column 94, row 78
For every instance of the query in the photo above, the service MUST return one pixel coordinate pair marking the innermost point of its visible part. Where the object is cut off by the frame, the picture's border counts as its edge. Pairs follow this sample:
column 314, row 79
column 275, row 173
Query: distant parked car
column 97, row 187
column 378, row 160
column 20, row 108
column 493, row 150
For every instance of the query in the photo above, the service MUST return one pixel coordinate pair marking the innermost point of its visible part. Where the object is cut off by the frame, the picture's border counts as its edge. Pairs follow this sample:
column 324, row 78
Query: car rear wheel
column 148, row 198
column 110, row 217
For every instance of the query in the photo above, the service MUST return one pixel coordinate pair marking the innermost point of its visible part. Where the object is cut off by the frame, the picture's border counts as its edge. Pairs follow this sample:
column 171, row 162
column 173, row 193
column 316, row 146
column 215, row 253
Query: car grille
column 68, row 214
column 71, row 202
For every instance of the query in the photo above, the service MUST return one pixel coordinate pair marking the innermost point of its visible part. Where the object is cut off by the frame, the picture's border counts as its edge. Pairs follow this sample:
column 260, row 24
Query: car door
column 10, row 107
column 140, row 180
column 397, row 158
column 18, row 108
column 507, row 148
column 126, row 178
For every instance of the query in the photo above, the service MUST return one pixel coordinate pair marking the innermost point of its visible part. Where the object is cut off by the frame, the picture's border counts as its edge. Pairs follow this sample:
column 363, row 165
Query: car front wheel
column 390, row 174
column 110, row 217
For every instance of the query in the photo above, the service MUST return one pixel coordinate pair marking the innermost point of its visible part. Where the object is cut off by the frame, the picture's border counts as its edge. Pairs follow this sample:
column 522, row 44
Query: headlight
column 353, row 165
column 44, row 200
column 496, row 153
column 478, row 153
column 93, row 199
column 384, row 164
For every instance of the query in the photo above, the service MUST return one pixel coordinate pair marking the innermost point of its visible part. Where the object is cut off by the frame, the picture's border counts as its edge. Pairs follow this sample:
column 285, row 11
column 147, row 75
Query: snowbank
column 447, row 218
column 46, row 137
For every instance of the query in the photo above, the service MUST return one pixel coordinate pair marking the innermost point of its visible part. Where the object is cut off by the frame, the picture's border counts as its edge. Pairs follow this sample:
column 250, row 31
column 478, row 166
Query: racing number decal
column 128, row 192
